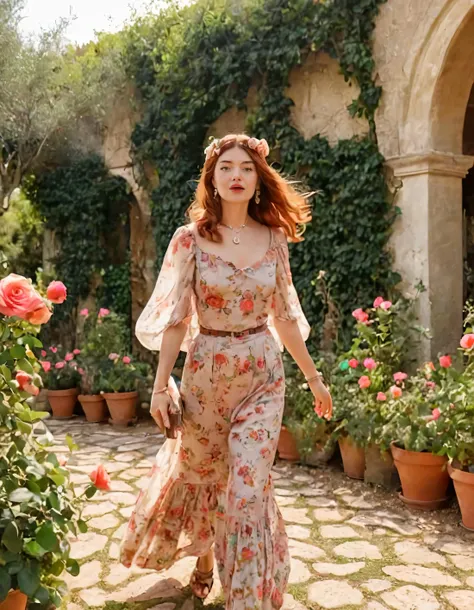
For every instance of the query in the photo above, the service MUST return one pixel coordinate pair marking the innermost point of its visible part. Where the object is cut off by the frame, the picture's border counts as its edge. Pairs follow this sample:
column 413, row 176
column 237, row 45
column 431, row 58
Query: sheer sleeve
column 286, row 304
column 173, row 298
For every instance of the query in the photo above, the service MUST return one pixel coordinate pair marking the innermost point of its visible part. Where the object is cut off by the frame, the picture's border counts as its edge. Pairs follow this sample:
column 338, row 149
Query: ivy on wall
column 79, row 202
column 193, row 64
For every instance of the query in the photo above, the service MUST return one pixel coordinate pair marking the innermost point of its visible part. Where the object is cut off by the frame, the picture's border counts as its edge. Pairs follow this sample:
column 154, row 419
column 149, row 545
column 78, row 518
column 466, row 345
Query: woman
column 224, row 295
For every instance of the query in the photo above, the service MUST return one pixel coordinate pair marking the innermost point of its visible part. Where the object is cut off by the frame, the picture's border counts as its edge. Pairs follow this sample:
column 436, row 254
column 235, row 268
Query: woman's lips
column 237, row 188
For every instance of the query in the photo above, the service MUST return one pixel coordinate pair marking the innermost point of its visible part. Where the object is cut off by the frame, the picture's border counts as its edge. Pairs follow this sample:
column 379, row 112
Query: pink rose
column 364, row 382
column 445, row 362
column 40, row 315
column 360, row 315
column 400, row 376
column 353, row 363
column 100, row 478
column 31, row 388
column 43, row 353
column 126, row 360
column 113, row 356
column 80, row 371
column 381, row 396
column 386, row 305
column 76, row 352
column 56, row 292
column 430, row 385
column 435, row 413
column 84, row 312
column 68, row 357
column 396, row 391
column 46, row 365
column 103, row 312
column 59, row 365
column 53, row 349
column 467, row 341
column 370, row 364
column 18, row 297
column 378, row 301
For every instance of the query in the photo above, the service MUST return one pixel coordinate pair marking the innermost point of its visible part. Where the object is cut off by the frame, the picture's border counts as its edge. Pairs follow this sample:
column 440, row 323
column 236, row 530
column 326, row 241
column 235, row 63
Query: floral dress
column 213, row 485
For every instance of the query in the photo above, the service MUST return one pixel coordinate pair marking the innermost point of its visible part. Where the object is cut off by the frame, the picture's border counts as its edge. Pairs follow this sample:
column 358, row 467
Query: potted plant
column 119, row 377
column 90, row 397
column 415, row 432
column 61, row 376
column 38, row 507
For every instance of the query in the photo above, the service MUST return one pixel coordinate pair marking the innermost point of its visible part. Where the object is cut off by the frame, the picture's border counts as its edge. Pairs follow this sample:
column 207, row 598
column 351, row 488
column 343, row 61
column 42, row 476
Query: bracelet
column 313, row 378
column 165, row 389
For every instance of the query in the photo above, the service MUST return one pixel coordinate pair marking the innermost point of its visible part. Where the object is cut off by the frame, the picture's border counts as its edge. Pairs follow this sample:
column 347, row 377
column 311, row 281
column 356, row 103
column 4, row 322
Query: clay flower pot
column 63, row 402
column 464, row 486
column 94, row 407
column 424, row 478
column 379, row 468
column 16, row 600
column 353, row 458
column 287, row 448
column 122, row 407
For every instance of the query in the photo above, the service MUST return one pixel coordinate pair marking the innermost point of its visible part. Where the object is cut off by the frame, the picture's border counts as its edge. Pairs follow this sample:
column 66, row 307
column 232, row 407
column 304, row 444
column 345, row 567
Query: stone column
column 427, row 242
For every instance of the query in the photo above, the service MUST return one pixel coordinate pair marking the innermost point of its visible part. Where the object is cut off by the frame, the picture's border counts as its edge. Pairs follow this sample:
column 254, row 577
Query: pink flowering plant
column 120, row 374
column 38, row 506
column 60, row 369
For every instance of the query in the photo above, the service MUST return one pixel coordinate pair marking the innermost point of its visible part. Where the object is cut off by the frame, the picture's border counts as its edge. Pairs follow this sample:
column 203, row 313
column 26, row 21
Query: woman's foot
column 202, row 577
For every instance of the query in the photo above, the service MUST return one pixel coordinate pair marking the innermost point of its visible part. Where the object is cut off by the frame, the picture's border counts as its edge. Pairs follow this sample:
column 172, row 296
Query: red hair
column 280, row 204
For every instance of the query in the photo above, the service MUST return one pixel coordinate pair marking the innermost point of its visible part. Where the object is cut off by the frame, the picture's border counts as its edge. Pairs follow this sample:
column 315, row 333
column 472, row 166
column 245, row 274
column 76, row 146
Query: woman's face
column 235, row 176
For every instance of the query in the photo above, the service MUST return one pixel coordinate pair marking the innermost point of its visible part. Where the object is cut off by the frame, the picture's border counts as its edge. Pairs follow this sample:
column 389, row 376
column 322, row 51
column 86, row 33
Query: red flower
column 59, row 365
column 247, row 554
column 56, row 292
column 126, row 360
column 100, row 478
column 435, row 413
column 22, row 378
column 467, row 341
column 396, row 391
column 246, row 306
column 364, row 382
column 216, row 301
column 378, row 301
column 381, row 396
column 360, row 315
column 221, row 359
column 260, row 363
column 46, row 365
column 68, row 357
column 353, row 363
column 445, row 362
column 44, row 353
column 246, row 366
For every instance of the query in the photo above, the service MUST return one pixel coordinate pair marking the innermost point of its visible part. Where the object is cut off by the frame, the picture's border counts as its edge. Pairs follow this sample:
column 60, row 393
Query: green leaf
column 46, row 537
column 82, row 525
column 34, row 549
column 70, row 443
column 5, row 583
column 59, row 479
column 54, row 500
column 20, row 495
column 28, row 581
column 42, row 595
column 90, row 491
column 11, row 538
column 25, row 365
column 18, row 352
column 72, row 567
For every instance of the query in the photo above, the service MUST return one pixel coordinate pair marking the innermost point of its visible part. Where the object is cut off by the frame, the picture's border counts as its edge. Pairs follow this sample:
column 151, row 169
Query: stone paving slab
column 352, row 546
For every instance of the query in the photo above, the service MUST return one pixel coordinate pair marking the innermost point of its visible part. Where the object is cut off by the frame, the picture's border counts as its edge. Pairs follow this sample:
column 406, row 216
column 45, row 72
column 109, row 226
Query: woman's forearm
column 172, row 339
column 291, row 338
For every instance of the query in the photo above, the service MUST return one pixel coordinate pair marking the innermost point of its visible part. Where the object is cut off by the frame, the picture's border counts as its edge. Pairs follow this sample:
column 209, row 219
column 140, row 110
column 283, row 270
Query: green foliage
column 78, row 201
column 38, row 507
column 193, row 64
column 120, row 374
column 60, row 369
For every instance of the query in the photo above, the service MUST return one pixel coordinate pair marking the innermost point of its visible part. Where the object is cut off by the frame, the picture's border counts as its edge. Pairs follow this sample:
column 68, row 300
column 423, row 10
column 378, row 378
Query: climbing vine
column 193, row 64
column 80, row 201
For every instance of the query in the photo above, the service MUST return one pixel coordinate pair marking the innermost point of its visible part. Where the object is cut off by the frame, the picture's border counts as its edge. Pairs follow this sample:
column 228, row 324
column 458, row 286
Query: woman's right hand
column 159, row 409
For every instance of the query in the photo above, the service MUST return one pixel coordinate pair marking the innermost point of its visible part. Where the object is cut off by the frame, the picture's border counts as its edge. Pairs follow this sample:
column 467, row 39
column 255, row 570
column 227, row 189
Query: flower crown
column 260, row 146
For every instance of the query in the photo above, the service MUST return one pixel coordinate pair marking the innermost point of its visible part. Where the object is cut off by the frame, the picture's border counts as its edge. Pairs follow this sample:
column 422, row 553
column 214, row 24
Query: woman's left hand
column 322, row 399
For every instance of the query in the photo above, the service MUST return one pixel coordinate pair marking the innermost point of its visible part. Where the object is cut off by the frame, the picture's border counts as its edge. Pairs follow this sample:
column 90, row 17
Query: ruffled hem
column 172, row 519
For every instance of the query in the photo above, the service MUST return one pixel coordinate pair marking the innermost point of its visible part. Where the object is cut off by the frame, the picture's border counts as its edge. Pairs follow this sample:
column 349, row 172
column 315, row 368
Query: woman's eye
column 249, row 169
column 224, row 168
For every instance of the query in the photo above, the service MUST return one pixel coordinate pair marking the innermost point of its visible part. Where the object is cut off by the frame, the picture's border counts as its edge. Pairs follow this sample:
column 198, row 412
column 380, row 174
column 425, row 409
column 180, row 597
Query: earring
column 257, row 196
column 215, row 193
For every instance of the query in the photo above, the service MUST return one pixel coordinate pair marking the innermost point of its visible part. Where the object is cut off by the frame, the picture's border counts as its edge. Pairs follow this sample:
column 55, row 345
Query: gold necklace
column 235, row 231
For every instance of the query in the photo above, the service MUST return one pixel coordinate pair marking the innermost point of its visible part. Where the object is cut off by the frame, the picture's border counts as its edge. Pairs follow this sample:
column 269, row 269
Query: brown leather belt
column 237, row 334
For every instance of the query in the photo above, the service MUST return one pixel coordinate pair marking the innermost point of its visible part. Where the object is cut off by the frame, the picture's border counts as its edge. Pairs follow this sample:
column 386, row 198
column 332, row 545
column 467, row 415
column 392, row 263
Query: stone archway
column 428, row 237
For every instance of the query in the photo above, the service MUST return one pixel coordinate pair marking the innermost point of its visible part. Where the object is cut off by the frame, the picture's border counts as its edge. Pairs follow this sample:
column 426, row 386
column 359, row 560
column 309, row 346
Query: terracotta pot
column 379, row 468
column 353, row 458
column 287, row 448
column 464, row 486
column 321, row 454
column 424, row 478
column 94, row 407
column 16, row 600
column 62, row 402
column 122, row 406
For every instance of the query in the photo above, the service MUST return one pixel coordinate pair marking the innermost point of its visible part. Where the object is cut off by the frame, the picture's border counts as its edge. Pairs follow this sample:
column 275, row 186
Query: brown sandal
column 201, row 582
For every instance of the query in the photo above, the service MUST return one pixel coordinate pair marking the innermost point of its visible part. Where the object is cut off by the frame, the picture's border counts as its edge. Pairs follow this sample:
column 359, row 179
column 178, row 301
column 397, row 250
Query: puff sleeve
column 286, row 305
column 173, row 298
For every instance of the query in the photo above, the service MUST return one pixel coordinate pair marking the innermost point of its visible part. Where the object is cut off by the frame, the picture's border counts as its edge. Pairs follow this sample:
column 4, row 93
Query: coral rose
column 353, row 363
column 46, row 365
column 56, row 292
column 381, row 396
column 467, row 341
column 221, row 359
column 445, row 362
column 40, row 315
column 246, row 306
column 360, row 315
column 31, row 388
column 100, row 478
column 126, row 360
column 435, row 413
column 23, row 378
column 18, row 297
column 364, row 382
column 378, row 301
column 215, row 301
column 396, row 391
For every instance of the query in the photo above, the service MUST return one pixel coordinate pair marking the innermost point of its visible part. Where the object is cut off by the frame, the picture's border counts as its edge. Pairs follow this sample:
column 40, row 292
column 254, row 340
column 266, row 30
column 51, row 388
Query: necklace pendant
column 236, row 240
